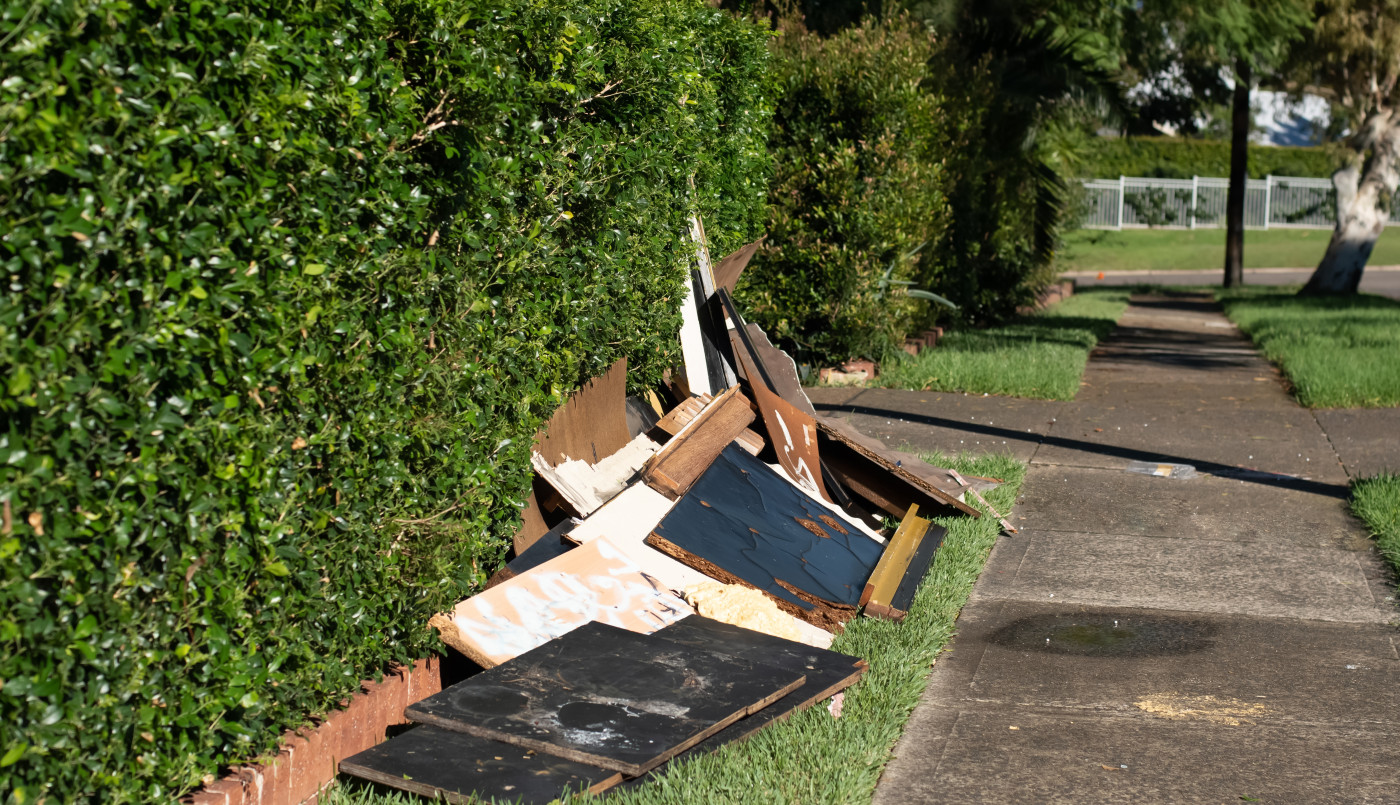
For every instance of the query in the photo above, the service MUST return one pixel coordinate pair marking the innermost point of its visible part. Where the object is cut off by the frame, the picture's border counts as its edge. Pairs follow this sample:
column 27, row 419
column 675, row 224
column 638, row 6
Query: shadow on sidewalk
column 1246, row 474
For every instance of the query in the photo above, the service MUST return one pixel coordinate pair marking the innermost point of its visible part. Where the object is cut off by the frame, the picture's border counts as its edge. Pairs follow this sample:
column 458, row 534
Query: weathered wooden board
column 884, row 581
column 460, row 768
column 592, row 424
column 727, row 271
column 918, row 569
column 780, row 370
column 675, row 468
column 592, row 582
column 608, row 697
column 868, row 468
column 676, row 419
column 586, row 485
column 743, row 523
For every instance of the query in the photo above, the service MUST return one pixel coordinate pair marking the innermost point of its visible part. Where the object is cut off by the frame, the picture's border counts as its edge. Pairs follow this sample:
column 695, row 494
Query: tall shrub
column 859, row 147
column 289, row 287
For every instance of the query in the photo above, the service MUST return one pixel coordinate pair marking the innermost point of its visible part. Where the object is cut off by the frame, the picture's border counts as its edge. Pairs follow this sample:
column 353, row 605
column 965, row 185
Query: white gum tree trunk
column 1364, row 193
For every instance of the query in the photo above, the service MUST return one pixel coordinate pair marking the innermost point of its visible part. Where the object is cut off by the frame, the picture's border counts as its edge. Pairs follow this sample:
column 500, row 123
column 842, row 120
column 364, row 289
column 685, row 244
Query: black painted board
column 919, row 564
column 460, row 768
column 745, row 519
column 545, row 548
column 609, row 697
column 828, row 672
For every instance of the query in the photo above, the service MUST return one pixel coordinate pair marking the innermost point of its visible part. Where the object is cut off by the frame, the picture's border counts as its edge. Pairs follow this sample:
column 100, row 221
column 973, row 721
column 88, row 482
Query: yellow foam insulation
column 741, row 606
column 1217, row 710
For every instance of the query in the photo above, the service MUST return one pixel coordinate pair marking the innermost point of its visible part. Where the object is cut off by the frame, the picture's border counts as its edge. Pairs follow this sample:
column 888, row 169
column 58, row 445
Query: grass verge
column 1337, row 352
column 1040, row 356
column 1202, row 249
column 812, row 757
column 1377, row 502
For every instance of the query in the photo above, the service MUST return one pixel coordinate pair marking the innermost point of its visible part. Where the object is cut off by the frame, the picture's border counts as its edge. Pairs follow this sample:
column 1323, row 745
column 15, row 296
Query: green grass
column 1202, row 249
column 1041, row 355
column 1338, row 352
column 812, row 757
column 1377, row 502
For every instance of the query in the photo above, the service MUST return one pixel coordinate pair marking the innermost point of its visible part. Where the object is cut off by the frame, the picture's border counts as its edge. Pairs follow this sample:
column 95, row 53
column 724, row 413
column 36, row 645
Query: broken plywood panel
column 675, row 468
column 591, row 582
column 608, row 697
column 629, row 518
column 743, row 523
column 592, row 424
column 869, row 469
column 464, row 769
column 585, row 485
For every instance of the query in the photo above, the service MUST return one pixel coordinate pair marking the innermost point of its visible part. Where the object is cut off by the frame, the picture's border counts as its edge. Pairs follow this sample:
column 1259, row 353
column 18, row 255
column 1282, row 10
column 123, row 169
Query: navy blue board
column 741, row 521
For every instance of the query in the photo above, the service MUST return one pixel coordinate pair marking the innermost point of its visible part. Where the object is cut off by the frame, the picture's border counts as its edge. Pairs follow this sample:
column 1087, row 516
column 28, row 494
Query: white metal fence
column 1274, row 202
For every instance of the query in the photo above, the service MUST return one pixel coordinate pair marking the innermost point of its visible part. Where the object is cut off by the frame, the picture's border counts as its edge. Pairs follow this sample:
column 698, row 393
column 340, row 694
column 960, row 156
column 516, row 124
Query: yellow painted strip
column 889, row 571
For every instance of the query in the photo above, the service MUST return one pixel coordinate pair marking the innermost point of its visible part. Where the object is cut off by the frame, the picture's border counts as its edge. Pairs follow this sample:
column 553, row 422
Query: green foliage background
column 288, row 289
column 860, row 146
column 1180, row 158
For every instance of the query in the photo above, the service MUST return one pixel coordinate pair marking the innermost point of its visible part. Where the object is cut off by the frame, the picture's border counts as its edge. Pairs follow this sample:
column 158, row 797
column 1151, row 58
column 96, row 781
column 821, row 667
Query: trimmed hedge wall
column 289, row 287
column 1178, row 158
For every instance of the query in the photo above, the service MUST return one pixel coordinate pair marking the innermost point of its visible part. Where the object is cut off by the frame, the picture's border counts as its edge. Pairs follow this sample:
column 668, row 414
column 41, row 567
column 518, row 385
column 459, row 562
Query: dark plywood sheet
column 460, row 768
column 828, row 672
column 608, row 697
column 742, row 522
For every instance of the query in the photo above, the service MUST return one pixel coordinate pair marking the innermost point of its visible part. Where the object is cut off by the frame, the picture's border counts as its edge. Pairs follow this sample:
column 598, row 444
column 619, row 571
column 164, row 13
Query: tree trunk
column 1239, row 179
column 1363, row 200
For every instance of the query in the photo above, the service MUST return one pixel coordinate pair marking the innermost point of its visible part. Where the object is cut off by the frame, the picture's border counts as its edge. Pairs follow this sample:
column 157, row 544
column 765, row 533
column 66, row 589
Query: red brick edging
column 308, row 758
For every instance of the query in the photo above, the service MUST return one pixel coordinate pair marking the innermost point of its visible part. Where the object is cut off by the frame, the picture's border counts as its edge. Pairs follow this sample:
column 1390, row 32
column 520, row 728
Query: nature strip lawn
column 1041, row 355
column 812, row 757
column 1377, row 502
column 1337, row 352
column 1204, row 249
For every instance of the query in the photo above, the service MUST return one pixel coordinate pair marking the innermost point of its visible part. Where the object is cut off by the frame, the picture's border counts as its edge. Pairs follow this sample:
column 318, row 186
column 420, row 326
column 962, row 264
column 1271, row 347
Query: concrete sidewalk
column 1223, row 634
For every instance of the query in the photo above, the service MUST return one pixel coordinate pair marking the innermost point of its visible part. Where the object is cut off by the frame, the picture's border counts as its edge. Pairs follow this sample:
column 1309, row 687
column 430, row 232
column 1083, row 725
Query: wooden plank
column 884, row 581
column 675, row 468
column 674, row 420
column 869, row 469
column 591, row 424
column 727, row 271
column 918, row 569
column 742, row 523
column 608, row 697
column 460, row 768
column 792, row 432
column 591, row 582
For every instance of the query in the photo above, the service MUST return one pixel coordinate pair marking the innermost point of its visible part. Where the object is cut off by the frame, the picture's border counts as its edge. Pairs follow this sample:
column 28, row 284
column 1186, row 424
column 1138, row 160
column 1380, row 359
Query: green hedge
column 289, row 286
column 859, row 186
column 1177, row 158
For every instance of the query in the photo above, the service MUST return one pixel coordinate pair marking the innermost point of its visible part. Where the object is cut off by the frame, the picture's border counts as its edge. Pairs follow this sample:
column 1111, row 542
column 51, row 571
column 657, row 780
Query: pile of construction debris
column 685, row 562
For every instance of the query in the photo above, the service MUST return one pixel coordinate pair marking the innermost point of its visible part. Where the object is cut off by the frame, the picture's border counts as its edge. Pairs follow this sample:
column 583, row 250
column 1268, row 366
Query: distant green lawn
column 1203, row 249
column 1341, row 352
column 812, row 757
column 1040, row 356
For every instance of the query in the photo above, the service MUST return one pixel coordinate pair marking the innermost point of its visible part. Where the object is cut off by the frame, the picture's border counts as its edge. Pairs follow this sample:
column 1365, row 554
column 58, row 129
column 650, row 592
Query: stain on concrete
column 1106, row 635
column 1214, row 709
